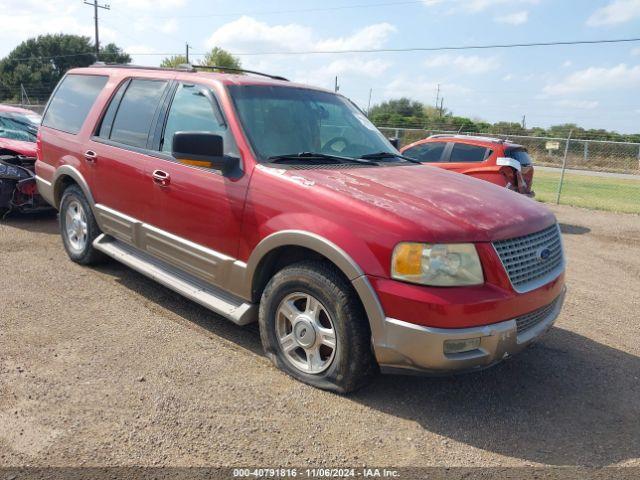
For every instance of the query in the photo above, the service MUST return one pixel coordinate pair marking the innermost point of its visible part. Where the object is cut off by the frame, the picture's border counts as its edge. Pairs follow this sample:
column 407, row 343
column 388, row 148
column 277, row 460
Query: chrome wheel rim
column 76, row 228
column 306, row 333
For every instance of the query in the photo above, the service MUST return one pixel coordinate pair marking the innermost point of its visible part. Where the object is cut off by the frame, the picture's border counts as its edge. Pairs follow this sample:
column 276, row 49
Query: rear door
column 197, row 212
column 462, row 157
column 119, row 152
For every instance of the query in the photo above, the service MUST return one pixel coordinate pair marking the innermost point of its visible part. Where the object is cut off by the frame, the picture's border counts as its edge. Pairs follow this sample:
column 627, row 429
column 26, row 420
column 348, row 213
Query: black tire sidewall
column 88, row 254
column 338, row 304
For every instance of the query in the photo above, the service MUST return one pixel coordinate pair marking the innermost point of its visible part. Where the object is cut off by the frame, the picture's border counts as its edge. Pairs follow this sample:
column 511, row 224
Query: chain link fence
column 596, row 174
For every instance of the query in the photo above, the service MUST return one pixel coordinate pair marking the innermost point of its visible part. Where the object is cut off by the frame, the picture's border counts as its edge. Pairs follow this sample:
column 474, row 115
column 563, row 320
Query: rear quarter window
column 72, row 102
column 465, row 153
column 521, row 155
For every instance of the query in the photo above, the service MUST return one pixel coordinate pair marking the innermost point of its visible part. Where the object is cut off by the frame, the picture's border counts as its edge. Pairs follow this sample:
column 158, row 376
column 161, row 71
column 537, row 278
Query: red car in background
column 18, row 133
column 492, row 159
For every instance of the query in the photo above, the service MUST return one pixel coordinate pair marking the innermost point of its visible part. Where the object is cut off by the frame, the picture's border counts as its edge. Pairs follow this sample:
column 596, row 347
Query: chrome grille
column 530, row 320
column 532, row 260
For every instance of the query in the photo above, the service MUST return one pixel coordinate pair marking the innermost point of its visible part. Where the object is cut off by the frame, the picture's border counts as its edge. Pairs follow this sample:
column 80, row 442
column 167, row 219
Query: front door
column 196, row 211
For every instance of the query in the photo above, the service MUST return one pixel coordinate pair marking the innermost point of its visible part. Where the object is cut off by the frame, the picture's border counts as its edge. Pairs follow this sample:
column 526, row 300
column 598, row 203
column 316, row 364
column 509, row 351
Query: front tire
column 78, row 227
column 314, row 328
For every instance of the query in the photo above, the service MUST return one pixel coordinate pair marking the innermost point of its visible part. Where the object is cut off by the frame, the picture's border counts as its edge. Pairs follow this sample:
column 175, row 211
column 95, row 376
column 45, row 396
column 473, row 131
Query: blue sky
column 596, row 86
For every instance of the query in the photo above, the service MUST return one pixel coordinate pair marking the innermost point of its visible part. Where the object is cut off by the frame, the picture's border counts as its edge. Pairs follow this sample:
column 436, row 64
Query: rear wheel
column 313, row 327
column 78, row 227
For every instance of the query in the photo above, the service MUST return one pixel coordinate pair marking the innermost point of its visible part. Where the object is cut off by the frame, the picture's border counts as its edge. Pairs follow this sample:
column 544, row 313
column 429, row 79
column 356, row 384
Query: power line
column 374, row 50
column 436, row 49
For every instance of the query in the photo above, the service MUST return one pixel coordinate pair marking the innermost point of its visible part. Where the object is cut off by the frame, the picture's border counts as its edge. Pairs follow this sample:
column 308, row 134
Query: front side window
column 192, row 110
column 135, row 113
column 289, row 120
column 464, row 153
column 427, row 152
column 72, row 101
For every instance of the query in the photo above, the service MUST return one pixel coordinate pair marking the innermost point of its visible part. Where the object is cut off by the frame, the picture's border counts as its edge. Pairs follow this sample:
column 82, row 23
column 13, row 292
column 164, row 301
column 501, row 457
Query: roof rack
column 462, row 135
column 187, row 67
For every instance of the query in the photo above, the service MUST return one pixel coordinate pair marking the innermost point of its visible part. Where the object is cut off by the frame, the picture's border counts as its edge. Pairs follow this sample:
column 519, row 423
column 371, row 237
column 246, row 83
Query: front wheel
column 313, row 327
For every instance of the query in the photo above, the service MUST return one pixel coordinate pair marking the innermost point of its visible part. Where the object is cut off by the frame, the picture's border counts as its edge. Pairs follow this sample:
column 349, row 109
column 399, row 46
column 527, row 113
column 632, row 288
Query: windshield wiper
column 381, row 155
column 324, row 156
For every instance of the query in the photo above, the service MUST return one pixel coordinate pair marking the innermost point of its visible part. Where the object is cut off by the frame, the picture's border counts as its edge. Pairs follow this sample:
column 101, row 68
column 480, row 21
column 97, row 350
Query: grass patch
column 601, row 193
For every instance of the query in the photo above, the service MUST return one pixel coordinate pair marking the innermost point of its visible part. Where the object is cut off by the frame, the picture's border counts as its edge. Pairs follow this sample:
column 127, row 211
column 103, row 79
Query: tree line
column 407, row 113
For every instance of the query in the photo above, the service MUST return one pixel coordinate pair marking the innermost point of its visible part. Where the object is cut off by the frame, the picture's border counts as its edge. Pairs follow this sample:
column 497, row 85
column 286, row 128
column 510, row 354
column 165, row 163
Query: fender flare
column 69, row 171
column 337, row 256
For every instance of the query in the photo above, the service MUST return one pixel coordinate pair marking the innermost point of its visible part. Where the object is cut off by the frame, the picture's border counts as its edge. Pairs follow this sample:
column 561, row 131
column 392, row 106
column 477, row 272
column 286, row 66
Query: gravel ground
column 101, row 366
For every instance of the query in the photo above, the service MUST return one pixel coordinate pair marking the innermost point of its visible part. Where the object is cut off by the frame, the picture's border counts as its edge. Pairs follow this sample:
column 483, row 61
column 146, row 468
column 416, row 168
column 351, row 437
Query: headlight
column 438, row 265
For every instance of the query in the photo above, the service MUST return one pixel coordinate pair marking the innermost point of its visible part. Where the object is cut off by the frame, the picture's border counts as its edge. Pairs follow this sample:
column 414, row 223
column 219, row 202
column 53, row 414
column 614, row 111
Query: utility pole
column 187, row 47
column 336, row 86
column 369, row 102
column 96, row 6
column 437, row 96
column 524, row 122
column 442, row 106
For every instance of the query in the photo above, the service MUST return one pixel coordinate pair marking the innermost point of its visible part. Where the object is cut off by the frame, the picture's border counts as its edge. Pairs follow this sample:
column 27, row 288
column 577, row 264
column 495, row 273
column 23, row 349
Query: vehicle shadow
column 41, row 222
column 565, row 401
column 247, row 337
column 569, row 229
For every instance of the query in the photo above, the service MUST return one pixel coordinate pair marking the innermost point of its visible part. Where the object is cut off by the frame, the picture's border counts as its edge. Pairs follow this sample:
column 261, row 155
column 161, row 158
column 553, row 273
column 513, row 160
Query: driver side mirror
column 395, row 141
column 201, row 149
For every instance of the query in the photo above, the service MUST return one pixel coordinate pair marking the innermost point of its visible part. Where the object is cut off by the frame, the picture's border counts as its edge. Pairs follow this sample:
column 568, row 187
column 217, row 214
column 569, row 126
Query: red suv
column 492, row 159
column 280, row 203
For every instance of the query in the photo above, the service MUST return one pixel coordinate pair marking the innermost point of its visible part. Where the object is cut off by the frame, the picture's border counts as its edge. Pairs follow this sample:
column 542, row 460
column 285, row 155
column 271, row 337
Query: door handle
column 160, row 177
column 90, row 156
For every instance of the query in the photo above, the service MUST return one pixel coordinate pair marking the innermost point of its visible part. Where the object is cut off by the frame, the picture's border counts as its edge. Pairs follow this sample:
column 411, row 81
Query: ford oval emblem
column 544, row 253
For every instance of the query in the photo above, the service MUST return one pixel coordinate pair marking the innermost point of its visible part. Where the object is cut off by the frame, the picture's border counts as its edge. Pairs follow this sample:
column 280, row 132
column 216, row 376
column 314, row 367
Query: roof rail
column 236, row 70
column 187, row 67
column 462, row 135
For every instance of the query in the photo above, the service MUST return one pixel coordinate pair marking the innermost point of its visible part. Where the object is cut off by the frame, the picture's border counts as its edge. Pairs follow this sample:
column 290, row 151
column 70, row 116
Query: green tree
column 220, row 58
column 39, row 63
column 174, row 61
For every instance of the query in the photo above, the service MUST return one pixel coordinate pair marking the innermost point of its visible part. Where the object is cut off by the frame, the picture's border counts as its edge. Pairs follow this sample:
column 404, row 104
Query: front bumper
column 417, row 348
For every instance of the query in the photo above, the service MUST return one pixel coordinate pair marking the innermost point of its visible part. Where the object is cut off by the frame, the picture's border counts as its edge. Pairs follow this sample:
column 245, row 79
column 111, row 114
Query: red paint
column 364, row 211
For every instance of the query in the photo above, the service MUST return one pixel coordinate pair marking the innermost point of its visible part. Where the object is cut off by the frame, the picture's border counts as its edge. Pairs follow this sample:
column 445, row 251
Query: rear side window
column 520, row 155
column 135, row 113
column 427, row 152
column 464, row 153
column 72, row 101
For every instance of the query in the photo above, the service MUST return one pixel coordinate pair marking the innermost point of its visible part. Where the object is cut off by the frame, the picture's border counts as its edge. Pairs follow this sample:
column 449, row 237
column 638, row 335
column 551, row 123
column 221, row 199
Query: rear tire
column 78, row 227
column 314, row 328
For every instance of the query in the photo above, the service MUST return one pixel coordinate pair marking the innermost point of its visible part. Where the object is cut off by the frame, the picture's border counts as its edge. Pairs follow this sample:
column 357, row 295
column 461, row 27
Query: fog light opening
column 461, row 345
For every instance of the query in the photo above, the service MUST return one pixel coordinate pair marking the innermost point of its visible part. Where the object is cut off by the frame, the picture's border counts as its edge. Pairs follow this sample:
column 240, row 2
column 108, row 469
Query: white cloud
column 579, row 104
column 469, row 64
column 597, row 78
column 421, row 89
column 567, row 63
column 372, row 36
column 517, row 18
column 508, row 77
column 369, row 68
column 475, row 6
column 636, row 52
column 247, row 34
column 616, row 12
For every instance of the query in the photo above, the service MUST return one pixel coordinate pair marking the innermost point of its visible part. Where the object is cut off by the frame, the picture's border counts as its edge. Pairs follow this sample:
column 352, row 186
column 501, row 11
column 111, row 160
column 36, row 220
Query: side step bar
column 216, row 300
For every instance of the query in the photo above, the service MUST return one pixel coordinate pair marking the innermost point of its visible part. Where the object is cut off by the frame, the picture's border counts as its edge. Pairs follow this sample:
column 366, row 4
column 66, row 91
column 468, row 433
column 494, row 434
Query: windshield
column 289, row 120
column 18, row 126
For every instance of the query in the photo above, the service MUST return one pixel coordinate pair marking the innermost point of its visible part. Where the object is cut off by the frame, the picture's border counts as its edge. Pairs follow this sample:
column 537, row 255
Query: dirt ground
column 101, row 366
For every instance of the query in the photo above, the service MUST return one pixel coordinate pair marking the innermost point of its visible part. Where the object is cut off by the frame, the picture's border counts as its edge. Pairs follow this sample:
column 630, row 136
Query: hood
column 18, row 146
column 439, row 205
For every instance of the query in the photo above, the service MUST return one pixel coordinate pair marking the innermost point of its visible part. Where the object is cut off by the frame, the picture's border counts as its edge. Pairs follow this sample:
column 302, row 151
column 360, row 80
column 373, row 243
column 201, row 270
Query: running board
column 215, row 299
